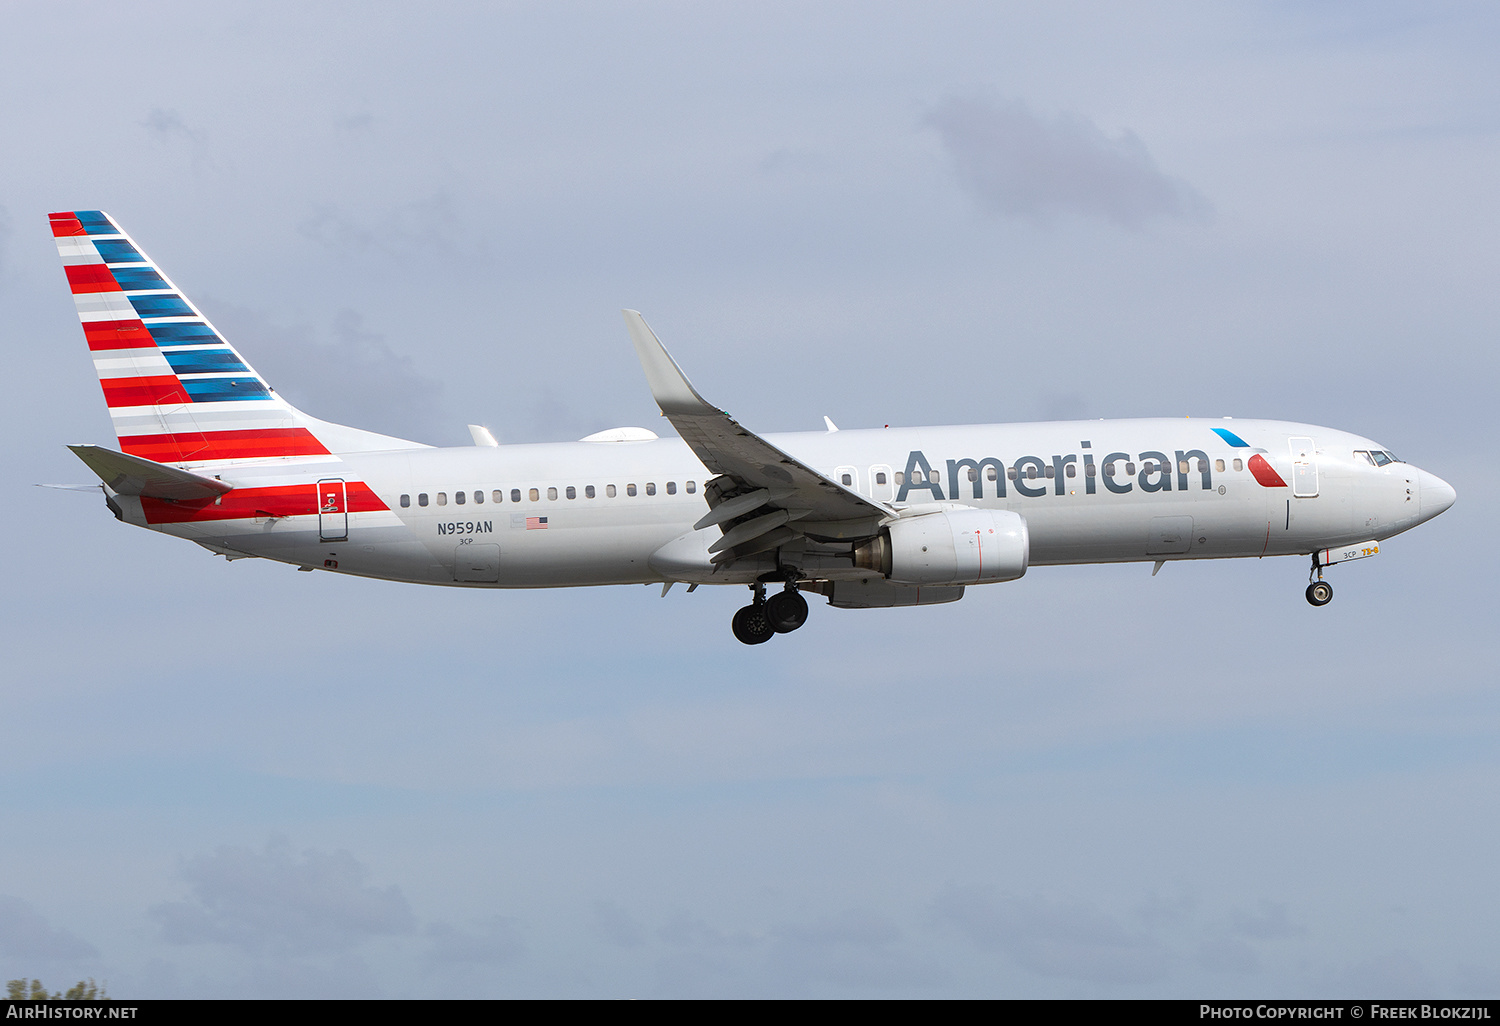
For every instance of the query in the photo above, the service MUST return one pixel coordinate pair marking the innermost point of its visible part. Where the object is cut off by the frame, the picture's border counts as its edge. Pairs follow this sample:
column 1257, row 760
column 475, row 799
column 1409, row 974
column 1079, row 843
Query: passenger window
column 497, row 496
column 1182, row 466
column 900, row 478
column 609, row 491
column 534, row 495
column 973, row 474
column 1031, row 471
column 671, row 487
column 588, row 491
column 1072, row 471
column 479, row 497
column 1219, row 466
column 880, row 478
column 1089, row 470
column 405, row 501
column 1130, row 468
column 442, row 498
column 692, row 487
column 1049, row 471
column 572, row 492
column 989, row 473
column 650, row 487
column 1202, row 466
column 459, row 498
column 1109, row 469
column 552, row 494
column 515, row 495
column 846, row 479
column 630, row 489
column 1239, row 464
column 421, row 498
column 1011, row 473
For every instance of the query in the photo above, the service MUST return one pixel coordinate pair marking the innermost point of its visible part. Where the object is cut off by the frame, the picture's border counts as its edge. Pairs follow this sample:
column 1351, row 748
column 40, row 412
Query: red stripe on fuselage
column 117, row 335
column 153, row 391
column 259, row 443
column 1265, row 473
column 248, row 503
column 65, row 224
column 90, row 278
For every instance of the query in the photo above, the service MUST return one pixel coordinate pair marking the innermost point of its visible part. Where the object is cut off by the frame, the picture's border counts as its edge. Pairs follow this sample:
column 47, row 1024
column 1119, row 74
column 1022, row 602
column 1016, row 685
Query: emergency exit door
column 333, row 510
column 1304, row 468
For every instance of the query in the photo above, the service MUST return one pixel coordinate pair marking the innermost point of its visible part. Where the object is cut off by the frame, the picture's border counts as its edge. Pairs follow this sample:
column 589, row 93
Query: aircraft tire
column 1320, row 593
column 751, row 625
column 787, row 610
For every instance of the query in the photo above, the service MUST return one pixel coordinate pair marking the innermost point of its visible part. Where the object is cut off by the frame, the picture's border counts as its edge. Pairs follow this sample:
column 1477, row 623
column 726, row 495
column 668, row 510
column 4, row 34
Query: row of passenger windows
column 1069, row 470
column 535, row 494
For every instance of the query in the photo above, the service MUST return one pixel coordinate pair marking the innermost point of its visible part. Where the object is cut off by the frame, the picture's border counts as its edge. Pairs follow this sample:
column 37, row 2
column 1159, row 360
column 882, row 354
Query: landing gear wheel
column 1320, row 593
column 751, row 625
column 787, row 610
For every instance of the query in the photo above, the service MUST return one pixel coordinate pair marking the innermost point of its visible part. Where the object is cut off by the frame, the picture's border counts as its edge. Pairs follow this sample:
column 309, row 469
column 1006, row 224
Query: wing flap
column 131, row 475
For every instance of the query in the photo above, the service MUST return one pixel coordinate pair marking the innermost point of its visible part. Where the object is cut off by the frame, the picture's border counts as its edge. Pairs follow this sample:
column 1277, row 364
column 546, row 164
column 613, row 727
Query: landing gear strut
column 1319, row 591
column 782, row 613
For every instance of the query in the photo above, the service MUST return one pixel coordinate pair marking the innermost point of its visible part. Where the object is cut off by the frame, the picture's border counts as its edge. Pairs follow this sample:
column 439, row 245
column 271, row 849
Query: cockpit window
column 1380, row 458
column 1360, row 456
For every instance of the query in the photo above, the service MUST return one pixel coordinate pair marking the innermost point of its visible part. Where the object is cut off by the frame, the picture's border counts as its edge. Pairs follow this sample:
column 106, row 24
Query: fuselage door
column 1304, row 468
column 882, row 484
column 333, row 510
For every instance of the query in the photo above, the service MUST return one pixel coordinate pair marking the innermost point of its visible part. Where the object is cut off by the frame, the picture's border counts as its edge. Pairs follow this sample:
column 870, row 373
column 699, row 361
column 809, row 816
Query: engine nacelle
column 959, row 546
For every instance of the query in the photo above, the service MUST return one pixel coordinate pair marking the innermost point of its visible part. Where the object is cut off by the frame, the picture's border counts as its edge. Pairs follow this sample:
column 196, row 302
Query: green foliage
column 83, row 990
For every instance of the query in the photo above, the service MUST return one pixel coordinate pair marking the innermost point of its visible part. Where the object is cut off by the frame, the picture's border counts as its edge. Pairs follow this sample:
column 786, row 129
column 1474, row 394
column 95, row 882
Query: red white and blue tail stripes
column 177, row 391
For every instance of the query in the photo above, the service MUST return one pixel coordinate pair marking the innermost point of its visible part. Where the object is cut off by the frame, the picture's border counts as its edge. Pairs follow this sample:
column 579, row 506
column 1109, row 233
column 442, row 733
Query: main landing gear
column 782, row 613
column 1319, row 591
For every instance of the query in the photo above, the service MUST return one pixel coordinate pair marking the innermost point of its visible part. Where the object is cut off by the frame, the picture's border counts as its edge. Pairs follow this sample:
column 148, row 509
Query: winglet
column 671, row 389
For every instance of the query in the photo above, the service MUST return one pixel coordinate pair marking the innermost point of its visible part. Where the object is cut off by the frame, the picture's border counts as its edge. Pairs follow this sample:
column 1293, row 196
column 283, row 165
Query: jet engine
column 957, row 546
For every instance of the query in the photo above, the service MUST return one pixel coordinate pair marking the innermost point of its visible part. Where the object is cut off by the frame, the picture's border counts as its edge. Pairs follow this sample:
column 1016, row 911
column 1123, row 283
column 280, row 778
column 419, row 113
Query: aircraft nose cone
column 1437, row 495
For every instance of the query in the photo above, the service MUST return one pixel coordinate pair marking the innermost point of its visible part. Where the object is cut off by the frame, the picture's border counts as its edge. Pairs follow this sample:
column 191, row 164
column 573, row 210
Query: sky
column 235, row 780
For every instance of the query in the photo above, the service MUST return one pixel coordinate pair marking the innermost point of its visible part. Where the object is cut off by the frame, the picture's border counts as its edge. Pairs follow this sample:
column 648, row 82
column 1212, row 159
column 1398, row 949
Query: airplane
column 885, row 517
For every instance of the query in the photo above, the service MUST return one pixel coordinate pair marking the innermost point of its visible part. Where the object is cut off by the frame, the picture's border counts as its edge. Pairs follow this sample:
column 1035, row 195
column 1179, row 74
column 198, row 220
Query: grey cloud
column 1228, row 955
column 497, row 941
column 26, row 934
column 619, row 927
column 684, row 931
column 355, row 379
column 1269, row 922
column 167, row 124
column 1393, row 975
column 855, row 948
column 1017, row 163
column 433, row 225
column 276, row 900
column 1051, row 938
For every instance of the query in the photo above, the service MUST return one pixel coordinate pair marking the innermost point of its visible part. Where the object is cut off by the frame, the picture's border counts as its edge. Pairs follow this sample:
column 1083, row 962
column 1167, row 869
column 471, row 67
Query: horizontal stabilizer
column 131, row 475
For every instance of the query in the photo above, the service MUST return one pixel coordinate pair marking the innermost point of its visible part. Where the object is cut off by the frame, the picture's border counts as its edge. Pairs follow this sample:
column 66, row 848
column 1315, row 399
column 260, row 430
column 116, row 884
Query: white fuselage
column 591, row 513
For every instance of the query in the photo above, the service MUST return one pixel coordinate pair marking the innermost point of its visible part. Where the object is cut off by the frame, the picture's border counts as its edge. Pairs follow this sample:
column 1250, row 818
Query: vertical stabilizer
column 177, row 391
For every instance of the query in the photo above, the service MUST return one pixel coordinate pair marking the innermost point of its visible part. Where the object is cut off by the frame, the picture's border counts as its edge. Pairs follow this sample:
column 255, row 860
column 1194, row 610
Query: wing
column 763, row 497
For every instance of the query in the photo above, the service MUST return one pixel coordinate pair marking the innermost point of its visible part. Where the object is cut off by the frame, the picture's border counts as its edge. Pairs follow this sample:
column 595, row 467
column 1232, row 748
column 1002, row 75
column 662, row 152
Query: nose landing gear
column 782, row 613
column 1319, row 591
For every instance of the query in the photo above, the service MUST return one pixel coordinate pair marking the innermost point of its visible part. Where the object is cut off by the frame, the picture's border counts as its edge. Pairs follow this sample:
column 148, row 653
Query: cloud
column 276, row 901
column 356, row 378
column 26, row 935
column 1053, row 939
column 168, row 125
column 619, row 927
column 495, row 942
column 855, row 948
column 1017, row 163
column 1270, row 922
column 436, row 225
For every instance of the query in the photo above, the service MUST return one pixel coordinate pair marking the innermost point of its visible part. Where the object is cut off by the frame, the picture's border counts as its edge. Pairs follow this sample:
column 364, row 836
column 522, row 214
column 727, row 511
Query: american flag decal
column 536, row 523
